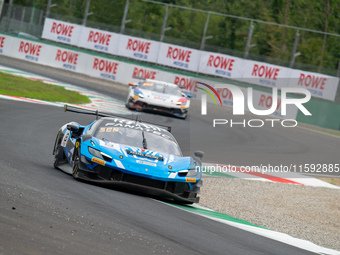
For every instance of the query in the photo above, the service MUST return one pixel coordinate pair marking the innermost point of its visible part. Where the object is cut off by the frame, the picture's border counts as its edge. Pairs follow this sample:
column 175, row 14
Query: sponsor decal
column 160, row 98
column 181, row 56
column 190, row 179
column 98, row 161
column 32, row 50
column 136, row 153
column 109, row 129
column 101, row 40
column 2, row 40
column 141, row 72
column 172, row 175
column 269, row 73
column 223, row 65
column 68, row 58
column 145, row 163
column 186, row 83
column 63, row 31
column 107, row 68
column 140, row 48
column 315, row 84
column 65, row 138
column 148, row 84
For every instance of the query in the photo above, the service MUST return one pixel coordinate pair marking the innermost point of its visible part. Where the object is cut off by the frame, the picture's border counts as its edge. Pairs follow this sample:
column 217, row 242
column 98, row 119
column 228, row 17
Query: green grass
column 17, row 86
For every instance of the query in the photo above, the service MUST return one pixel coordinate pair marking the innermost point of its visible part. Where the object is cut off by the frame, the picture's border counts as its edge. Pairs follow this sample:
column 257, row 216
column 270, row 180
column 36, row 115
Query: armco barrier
column 325, row 114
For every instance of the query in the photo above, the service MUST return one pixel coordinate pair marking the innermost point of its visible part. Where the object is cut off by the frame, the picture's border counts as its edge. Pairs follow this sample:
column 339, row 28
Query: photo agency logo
column 238, row 104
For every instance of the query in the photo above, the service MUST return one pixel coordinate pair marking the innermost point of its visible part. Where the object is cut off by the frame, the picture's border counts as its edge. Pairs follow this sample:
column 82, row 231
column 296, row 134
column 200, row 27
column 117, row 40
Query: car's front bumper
column 179, row 111
column 182, row 192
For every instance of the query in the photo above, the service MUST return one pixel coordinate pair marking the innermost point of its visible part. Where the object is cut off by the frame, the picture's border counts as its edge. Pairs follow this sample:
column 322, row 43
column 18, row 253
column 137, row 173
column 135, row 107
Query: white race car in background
column 158, row 96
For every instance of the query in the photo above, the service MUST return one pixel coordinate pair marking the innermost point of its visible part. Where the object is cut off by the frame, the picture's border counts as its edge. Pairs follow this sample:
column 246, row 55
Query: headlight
column 95, row 152
column 139, row 94
column 188, row 173
column 100, row 154
column 182, row 101
column 192, row 172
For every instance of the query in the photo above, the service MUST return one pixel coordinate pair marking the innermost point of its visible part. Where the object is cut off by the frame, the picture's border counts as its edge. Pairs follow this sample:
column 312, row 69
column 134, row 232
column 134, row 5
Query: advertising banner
column 66, row 59
column 60, row 31
column 264, row 74
column 138, row 48
column 6, row 45
column 29, row 50
column 105, row 68
column 178, row 57
column 319, row 85
column 135, row 71
column 99, row 40
column 220, row 65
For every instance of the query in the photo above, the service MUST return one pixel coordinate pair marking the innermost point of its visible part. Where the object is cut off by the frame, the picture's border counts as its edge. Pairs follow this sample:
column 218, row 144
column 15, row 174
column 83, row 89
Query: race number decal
column 150, row 84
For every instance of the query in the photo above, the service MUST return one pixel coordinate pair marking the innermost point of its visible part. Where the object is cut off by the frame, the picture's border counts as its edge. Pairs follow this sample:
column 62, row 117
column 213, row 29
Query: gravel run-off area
column 309, row 213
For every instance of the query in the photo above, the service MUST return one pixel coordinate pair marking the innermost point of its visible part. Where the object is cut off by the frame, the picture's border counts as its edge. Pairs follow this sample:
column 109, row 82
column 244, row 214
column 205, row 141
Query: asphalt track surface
column 45, row 211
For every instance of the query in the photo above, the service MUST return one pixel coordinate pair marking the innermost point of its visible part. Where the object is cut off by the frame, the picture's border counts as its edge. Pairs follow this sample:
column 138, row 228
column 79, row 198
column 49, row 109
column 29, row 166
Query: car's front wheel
column 76, row 159
column 128, row 104
column 58, row 151
column 58, row 157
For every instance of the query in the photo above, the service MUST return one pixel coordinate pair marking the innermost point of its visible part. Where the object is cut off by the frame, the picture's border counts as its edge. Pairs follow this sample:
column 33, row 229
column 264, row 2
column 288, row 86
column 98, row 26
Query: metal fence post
column 86, row 12
column 204, row 38
column 32, row 15
column 164, row 23
column 49, row 6
column 22, row 18
column 124, row 21
column 250, row 35
column 9, row 12
column 294, row 54
column 40, row 18
column 1, row 8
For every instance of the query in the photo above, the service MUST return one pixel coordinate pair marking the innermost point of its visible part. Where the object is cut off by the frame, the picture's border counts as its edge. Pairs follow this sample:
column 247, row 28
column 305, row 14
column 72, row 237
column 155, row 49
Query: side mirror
column 73, row 127
column 199, row 154
column 132, row 84
column 188, row 96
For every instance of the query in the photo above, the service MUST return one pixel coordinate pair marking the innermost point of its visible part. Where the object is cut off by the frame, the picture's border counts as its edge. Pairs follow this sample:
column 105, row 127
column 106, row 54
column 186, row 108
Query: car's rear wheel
column 76, row 160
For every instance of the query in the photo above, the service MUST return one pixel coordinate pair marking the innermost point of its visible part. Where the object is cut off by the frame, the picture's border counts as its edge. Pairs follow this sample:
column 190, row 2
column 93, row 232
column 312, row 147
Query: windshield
column 170, row 89
column 138, row 138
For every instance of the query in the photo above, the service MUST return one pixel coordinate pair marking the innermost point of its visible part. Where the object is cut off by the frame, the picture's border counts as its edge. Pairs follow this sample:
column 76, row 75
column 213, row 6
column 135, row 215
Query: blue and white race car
column 158, row 96
column 128, row 153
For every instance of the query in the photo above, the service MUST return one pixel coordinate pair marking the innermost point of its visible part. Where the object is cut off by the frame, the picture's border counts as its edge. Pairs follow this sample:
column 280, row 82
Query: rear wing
column 70, row 108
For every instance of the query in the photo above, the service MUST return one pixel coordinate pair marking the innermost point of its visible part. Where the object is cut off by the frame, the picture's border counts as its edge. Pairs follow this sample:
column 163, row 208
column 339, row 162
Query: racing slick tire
column 59, row 156
column 127, row 104
column 58, row 151
column 76, row 160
